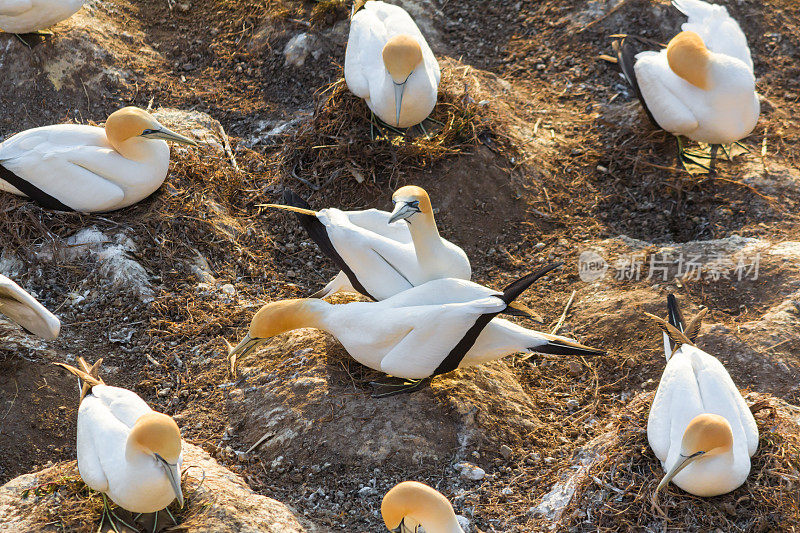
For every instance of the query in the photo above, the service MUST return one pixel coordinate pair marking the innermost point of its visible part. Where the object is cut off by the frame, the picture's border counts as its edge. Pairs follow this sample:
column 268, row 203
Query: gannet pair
column 23, row 309
column 389, row 64
column 28, row 16
column 72, row 167
column 422, row 332
column 700, row 86
column 699, row 426
column 126, row 451
column 411, row 504
column 381, row 254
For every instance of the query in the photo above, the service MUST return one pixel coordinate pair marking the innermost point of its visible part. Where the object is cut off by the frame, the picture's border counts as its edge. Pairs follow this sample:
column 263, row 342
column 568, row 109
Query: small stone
column 575, row 368
column 367, row 491
column 470, row 471
column 228, row 289
column 297, row 49
column 506, row 451
column 183, row 7
column 507, row 491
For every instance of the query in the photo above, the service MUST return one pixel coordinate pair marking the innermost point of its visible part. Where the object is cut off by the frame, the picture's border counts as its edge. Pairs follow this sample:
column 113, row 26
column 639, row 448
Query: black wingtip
column 514, row 289
column 674, row 311
column 626, row 49
column 557, row 346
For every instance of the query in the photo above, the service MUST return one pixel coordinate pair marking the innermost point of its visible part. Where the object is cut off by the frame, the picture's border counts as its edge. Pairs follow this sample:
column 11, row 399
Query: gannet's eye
column 414, row 204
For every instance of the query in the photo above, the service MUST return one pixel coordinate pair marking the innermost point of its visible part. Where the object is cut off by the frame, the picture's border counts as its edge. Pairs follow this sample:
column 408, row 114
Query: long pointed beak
column 677, row 468
column 168, row 135
column 401, row 211
column 174, row 476
column 23, row 309
column 247, row 345
column 399, row 89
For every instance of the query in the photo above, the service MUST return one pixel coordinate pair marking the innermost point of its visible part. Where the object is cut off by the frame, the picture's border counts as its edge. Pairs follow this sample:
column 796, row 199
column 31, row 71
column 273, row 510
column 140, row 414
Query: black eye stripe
column 148, row 132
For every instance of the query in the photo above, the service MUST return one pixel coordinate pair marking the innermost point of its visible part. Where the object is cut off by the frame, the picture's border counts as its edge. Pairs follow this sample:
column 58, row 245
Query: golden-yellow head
column 689, row 58
column 130, row 122
column 401, row 55
column 706, row 435
column 410, row 200
column 157, row 433
column 279, row 317
column 410, row 503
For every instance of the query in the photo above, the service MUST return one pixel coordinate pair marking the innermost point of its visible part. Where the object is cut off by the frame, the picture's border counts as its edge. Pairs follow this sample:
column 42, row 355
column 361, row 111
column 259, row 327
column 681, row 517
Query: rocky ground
column 547, row 157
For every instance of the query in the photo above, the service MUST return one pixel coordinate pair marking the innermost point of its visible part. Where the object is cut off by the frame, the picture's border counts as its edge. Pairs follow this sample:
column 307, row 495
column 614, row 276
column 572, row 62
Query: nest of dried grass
column 336, row 141
column 615, row 494
column 67, row 504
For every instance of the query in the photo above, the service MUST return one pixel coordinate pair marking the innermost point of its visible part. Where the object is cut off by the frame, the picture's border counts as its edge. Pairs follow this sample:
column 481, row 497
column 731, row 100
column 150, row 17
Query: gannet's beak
column 23, row 309
column 247, row 345
column 399, row 89
column 167, row 135
column 402, row 528
column 687, row 460
column 403, row 210
column 174, row 476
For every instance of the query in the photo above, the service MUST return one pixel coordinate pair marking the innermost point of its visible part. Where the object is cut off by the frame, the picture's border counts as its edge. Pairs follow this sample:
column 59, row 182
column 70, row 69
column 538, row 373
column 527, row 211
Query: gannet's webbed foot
column 32, row 39
column 693, row 161
column 376, row 124
column 108, row 513
column 734, row 149
column 394, row 386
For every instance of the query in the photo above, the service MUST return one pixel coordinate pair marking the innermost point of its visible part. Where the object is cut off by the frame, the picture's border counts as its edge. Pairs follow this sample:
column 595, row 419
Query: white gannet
column 87, row 168
column 378, row 254
column 699, row 426
column 23, row 309
column 701, row 85
column 422, row 332
column 389, row 64
column 410, row 504
column 126, row 451
column 28, row 16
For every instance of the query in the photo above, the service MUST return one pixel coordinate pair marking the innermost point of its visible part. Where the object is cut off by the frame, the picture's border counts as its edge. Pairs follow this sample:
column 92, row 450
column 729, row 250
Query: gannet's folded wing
column 661, row 89
column 13, row 8
column 124, row 405
column 377, row 221
column 362, row 56
column 436, row 331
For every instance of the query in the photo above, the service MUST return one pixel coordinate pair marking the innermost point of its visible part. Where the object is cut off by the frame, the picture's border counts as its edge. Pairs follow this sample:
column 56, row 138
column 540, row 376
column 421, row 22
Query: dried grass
column 615, row 494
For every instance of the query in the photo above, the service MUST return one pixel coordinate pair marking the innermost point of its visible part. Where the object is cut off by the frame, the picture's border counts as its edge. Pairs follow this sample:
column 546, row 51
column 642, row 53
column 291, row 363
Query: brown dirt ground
column 586, row 171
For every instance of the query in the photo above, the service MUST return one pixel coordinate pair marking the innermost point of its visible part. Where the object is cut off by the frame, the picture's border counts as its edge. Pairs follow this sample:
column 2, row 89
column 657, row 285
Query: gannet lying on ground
column 86, row 168
column 389, row 64
column 23, row 309
column 411, row 504
column 421, row 332
column 126, row 451
column 28, row 16
column 700, row 86
column 699, row 427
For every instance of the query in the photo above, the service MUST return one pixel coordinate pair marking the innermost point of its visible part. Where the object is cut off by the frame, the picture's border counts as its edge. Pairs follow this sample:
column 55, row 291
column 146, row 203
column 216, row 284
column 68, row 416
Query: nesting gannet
column 419, row 333
column 378, row 254
column 699, row 427
column 23, row 309
column 389, row 64
column 411, row 504
column 701, row 85
column 126, row 451
column 28, row 16
column 86, row 168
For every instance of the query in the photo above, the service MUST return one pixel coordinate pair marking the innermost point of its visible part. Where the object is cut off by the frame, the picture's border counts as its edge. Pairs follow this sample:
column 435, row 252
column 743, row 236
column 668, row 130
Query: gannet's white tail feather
column 719, row 31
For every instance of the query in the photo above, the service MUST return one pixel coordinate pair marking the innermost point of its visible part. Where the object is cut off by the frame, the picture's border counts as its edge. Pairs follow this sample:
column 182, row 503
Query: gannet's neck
column 139, row 148
column 425, row 235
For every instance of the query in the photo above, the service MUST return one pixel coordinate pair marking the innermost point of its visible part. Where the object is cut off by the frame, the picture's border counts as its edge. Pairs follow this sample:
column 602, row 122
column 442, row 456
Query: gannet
column 389, row 64
column 28, row 16
column 23, row 309
column 126, row 451
column 89, row 169
column 411, row 504
column 699, row 427
column 422, row 332
column 701, row 85
column 380, row 256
